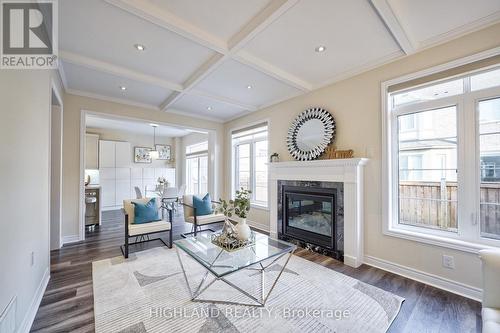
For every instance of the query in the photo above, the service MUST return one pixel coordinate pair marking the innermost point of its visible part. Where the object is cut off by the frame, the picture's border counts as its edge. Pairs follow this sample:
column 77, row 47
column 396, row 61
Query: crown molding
column 111, row 99
column 460, row 31
column 187, row 114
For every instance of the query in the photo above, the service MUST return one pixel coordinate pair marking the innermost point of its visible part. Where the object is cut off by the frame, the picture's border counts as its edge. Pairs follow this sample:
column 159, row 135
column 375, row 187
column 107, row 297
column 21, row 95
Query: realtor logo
column 29, row 34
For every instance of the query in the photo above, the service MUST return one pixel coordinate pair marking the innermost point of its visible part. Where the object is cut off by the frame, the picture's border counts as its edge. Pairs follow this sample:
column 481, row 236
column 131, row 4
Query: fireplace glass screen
column 311, row 213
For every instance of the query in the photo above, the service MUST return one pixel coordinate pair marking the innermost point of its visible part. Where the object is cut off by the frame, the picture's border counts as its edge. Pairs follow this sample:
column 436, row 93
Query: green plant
column 240, row 206
column 224, row 207
column 242, row 203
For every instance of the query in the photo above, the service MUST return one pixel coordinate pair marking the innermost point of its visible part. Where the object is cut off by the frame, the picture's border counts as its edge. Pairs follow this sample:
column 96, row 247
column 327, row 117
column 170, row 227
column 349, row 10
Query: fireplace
column 345, row 176
column 311, row 215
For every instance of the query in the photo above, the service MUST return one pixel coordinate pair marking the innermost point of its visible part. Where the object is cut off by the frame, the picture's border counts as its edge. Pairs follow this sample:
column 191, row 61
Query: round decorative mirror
column 310, row 133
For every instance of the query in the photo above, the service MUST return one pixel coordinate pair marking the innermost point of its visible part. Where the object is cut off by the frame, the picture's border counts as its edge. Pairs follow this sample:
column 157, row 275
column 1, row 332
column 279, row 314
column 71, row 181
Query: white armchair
column 190, row 216
column 491, row 290
column 143, row 229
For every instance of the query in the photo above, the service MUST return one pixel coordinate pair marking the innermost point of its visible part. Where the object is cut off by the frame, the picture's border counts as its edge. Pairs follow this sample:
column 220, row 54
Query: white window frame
column 468, row 236
column 234, row 165
column 196, row 155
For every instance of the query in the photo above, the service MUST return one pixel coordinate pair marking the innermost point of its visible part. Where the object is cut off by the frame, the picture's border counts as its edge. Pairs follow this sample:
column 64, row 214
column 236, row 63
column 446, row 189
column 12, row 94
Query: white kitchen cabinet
column 148, row 173
column 136, row 173
column 123, row 155
column 106, row 154
column 122, row 191
column 107, row 173
column 91, row 151
column 123, row 173
column 108, row 190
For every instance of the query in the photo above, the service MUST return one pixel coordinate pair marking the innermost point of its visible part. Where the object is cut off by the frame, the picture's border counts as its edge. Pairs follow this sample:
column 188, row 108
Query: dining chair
column 138, row 192
column 182, row 192
column 169, row 198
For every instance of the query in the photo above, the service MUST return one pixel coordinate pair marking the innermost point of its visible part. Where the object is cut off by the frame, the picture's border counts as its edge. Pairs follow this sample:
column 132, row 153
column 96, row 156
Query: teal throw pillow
column 203, row 205
column 146, row 212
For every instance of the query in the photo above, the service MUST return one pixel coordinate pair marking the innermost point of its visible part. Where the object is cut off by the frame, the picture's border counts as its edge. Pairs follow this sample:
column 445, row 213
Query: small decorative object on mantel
column 333, row 153
column 310, row 134
column 233, row 237
column 275, row 157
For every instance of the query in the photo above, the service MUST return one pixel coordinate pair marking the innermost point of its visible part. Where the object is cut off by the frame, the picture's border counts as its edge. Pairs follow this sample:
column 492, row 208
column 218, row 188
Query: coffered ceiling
column 219, row 59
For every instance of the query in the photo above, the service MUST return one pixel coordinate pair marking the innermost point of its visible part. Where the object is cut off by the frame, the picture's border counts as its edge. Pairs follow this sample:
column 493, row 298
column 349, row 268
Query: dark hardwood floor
column 68, row 303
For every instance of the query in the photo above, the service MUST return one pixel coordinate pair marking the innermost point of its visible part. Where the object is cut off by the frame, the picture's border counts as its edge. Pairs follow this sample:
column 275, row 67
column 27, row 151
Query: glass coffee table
column 220, row 263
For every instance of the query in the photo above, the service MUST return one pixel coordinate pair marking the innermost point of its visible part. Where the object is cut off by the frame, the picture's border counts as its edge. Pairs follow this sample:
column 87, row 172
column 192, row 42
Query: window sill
column 450, row 243
column 258, row 206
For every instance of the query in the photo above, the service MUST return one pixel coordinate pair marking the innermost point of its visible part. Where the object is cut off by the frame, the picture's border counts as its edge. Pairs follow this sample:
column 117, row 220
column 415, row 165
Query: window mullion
column 252, row 169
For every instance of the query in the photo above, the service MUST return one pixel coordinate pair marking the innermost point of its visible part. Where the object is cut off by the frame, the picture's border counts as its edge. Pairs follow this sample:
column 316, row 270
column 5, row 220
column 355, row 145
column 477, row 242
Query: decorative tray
column 230, row 242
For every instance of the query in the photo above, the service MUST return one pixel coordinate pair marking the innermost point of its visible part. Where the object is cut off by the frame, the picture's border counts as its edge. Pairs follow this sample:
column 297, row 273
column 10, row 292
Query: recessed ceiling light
column 320, row 48
column 140, row 47
column 123, row 88
column 209, row 108
column 249, row 87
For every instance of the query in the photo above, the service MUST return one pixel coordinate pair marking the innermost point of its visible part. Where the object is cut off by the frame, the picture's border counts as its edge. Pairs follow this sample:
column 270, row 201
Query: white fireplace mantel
column 347, row 171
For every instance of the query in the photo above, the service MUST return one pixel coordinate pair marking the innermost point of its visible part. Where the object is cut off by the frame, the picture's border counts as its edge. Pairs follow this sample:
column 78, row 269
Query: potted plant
column 241, row 209
column 227, row 208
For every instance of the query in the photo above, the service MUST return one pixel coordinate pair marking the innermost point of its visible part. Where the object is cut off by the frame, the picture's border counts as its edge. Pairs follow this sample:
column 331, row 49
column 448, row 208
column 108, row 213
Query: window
column 427, row 190
column 250, row 156
column 443, row 160
column 197, row 168
column 489, row 143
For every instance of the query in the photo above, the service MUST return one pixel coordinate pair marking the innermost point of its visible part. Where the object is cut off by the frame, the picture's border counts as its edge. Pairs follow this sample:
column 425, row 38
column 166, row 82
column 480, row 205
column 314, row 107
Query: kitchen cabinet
column 106, row 154
column 119, row 176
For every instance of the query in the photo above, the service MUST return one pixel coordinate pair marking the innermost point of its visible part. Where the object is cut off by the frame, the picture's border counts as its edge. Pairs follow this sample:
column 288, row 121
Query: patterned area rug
column 148, row 293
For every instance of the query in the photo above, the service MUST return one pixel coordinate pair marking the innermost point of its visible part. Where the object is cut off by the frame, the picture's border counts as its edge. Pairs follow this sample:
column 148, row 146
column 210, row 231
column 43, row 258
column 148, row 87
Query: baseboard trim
column 259, row 226
column 70, row 239
column 27, row 322
column 427, row 278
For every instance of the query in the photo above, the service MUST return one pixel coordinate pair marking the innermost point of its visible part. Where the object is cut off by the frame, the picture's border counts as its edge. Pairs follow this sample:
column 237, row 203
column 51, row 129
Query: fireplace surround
column 348, row 172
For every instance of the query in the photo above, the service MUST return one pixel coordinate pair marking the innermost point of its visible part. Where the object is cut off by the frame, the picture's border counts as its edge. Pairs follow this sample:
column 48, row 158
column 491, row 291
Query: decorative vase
column 243, row 231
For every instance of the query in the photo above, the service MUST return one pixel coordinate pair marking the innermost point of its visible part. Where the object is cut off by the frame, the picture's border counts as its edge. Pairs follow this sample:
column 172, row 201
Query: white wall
column 24, row 199
column 356, row 105
column 55, row 177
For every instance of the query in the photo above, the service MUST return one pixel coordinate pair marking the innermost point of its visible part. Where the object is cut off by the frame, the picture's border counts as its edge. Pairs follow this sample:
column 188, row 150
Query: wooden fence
column 434, row 205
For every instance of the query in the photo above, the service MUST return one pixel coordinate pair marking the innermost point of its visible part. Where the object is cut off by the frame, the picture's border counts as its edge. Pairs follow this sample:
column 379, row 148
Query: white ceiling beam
column 171, row 22
column 394, row 26
column 259, row 22
column 222, row 99
column 109, row 68
column 178, row 90
column 273, row 71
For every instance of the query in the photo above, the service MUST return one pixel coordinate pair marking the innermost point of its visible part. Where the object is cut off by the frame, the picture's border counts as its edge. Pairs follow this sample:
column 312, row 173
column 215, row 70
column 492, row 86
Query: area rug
column 148, row 293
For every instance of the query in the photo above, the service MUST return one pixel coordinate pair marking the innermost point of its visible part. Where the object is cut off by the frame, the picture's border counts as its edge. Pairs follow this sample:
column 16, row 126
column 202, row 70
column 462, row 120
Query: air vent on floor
column 8, row 317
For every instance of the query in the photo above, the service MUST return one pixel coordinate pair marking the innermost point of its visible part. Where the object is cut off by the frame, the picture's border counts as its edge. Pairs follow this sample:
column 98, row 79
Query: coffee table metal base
column 259, row 301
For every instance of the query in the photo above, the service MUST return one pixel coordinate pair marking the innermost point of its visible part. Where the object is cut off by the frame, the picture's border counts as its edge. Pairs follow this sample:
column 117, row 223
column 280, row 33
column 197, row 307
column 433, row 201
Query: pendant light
column 154, row 154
